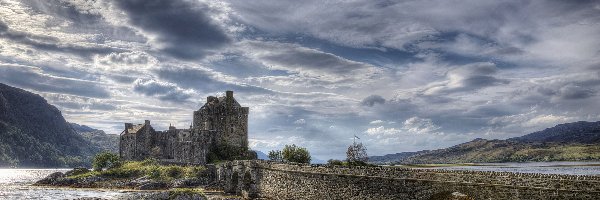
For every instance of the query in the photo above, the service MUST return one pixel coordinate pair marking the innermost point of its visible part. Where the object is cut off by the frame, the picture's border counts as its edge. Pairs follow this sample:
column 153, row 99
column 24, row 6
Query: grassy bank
column 148, row 168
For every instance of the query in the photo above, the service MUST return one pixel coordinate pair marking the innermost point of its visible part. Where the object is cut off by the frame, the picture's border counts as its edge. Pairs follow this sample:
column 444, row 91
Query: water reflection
column 16, row 184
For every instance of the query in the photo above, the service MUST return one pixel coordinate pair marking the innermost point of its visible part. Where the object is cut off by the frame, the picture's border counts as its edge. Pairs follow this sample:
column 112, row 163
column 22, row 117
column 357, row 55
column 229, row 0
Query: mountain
column 34, row 133
column 262, row 156
column 576, row 132
column 391, row 158
column 564, row 142
column 105, row 142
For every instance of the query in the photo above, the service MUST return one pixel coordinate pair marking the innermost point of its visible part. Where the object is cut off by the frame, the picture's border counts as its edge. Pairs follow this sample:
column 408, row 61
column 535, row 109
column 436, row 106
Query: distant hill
column 565, row 142
column 261, row 155
column 392, row 158
column 33, row 133
column 576, row 132
column 106, row 142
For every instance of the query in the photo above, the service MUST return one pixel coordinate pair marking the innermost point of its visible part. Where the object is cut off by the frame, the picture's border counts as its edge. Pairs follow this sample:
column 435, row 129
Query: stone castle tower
column 225, row 119
column 221, row 121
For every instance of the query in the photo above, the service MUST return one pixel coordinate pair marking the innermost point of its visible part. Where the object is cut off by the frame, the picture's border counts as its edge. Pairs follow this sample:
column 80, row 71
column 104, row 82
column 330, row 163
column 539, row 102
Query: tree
column 105, row 160
column 357, row 153
column 293, row 153
column 224, row 151
column 275, row 155
column 335, row 162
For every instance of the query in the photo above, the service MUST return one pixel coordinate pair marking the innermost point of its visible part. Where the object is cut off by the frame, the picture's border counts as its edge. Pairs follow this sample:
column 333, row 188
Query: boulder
column 152, row 185
column 51, row 179
column 185, row 183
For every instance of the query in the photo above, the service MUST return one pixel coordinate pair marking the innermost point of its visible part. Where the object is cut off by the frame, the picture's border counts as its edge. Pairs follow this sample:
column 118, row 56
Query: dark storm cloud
column 183, row 29
column 30, row 78
column 50, row 44
column 372, row 100
column 163, row 90
column 568, row 92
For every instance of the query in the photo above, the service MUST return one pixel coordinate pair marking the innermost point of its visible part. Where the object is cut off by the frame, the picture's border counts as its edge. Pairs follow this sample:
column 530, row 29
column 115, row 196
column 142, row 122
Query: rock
column 148, row 195
column 188, row 197
column 184, row 183
column 77, row 171
column 51, row 179
column 152, row 185
column 447, row 195
column 140, row 181
column 89, row 181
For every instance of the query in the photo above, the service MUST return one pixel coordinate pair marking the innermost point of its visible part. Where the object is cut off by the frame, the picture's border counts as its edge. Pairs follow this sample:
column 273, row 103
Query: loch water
column 17, row 184
column 571, row 168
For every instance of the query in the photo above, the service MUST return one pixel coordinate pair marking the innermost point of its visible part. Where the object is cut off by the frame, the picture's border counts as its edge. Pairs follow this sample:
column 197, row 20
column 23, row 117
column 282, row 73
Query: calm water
column 16, row 184
column 573, row 168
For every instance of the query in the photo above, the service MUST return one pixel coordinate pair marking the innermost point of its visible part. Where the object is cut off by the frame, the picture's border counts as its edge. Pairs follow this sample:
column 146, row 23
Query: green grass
column 150, row 168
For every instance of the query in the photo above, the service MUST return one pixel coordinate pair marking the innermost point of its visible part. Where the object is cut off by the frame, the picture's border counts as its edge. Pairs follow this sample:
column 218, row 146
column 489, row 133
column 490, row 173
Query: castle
column 220, row 122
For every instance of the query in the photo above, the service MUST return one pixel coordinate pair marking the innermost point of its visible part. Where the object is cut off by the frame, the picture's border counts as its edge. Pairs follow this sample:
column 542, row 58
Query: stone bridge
column 265, row 179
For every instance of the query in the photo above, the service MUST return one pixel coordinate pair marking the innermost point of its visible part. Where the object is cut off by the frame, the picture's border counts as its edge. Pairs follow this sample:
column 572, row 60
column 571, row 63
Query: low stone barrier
column 271, row 180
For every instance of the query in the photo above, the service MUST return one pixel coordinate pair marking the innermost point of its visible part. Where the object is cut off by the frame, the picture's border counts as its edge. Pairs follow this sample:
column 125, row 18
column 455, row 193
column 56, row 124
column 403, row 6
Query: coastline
column 137, row 187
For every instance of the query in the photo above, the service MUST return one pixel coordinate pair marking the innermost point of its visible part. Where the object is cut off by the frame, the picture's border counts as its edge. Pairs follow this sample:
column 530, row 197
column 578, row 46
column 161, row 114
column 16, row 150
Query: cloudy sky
column 401, row 75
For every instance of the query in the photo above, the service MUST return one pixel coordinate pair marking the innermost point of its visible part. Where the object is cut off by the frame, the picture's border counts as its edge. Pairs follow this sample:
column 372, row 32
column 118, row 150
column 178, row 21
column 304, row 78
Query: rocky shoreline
column 141, row 187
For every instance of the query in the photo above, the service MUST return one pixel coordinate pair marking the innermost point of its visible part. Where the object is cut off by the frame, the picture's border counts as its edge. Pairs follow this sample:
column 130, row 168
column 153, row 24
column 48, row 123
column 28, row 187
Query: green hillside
column 578, row 141
column 33, row 133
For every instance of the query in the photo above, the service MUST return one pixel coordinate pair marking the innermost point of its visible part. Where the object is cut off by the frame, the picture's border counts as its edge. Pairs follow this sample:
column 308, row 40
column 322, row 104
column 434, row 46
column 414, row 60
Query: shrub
column 105, row 160
column 335, row 162
column 275, row 155
column 293, row 153
column 150, row 161
column 121, row 173
column 195, row 172
column 174, row 171
column 153, row 172
column 224, row 151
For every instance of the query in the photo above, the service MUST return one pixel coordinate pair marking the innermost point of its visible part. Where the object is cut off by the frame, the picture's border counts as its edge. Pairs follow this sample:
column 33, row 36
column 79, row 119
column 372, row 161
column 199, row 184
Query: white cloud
column 377, row 122
column 420, row 125
column 546, row 120
column 126, row 61
column 382, row 131
column 300, row 122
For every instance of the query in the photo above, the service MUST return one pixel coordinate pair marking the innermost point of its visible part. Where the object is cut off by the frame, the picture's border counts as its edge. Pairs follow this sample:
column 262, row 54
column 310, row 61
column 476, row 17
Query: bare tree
column 357, row 152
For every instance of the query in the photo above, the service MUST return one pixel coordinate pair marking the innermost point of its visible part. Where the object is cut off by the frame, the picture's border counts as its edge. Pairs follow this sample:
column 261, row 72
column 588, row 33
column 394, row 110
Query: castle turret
column 229, row 98
column 128, row 126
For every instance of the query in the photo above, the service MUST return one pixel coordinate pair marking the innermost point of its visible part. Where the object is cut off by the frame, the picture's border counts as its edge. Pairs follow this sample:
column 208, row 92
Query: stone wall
column 297, row 181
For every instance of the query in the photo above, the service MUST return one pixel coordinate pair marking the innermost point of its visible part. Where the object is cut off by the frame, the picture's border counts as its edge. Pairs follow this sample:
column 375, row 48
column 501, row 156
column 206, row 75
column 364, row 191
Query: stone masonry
column 269, row 180
column 221, row 121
